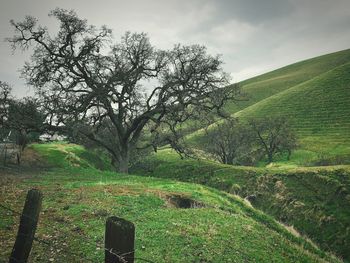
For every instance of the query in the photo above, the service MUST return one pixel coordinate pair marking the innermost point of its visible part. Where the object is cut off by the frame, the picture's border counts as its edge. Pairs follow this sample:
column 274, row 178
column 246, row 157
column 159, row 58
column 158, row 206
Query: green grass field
column 314, row 200
column 315, row 96
column 78, row 198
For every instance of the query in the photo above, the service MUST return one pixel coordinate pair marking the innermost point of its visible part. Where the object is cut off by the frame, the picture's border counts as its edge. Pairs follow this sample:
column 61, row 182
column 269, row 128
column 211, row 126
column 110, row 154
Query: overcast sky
column 253, row 36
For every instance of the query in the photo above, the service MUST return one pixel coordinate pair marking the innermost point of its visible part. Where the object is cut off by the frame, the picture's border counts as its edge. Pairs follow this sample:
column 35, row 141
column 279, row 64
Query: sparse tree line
column 125, row 97
column 233, row 142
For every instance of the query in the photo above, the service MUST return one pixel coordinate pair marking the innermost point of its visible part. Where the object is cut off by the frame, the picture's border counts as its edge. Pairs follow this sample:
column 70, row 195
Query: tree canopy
column 113, row 92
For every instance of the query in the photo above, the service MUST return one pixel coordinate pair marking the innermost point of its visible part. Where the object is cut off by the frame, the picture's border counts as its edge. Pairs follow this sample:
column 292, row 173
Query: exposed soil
column 31, row 163
column 179, row 201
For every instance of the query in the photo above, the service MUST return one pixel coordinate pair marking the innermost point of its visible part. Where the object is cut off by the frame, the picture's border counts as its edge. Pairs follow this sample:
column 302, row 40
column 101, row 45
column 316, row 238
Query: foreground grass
column 78, row 200
column 316, row 201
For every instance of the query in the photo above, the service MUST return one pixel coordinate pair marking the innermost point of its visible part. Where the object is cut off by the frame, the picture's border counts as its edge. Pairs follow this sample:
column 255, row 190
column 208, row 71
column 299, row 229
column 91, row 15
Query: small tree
column 20, row 117
column 111, row 93
column 25, row 120
column 273, row 135
column 228, row 141
column 5, row 98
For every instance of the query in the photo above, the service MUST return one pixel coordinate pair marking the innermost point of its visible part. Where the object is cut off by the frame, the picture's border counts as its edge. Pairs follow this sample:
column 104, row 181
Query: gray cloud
column 254, row 36
column 252, row 11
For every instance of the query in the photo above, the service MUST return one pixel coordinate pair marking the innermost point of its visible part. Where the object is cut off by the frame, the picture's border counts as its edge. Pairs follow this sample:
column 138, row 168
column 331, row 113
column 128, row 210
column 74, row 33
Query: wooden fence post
column 27, row 226
column 119, row 241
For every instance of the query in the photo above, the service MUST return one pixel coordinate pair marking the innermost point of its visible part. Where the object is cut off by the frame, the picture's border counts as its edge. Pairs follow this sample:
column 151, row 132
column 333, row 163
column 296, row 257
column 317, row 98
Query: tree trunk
column 229, row 161
column 123, row 165
column 114, row 162
column 22, row 139
column 270, row 157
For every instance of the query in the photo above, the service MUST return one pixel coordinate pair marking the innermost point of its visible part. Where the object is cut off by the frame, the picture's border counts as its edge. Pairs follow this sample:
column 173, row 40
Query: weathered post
column 119, row 241
column 27, row 226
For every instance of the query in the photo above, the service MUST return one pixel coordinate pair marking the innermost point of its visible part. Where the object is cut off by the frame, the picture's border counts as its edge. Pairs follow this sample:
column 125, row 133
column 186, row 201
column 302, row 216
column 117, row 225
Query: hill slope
column 266, row 85
column 319, row 110
column 315, row 96
column 218, row 227
column 315, row 200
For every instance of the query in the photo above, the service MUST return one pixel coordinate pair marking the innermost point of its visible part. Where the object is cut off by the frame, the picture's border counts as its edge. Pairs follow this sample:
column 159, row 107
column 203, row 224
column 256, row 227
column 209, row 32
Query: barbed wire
column 121, row 257
column 67, row 252
column 87, row 240
column 44, row 242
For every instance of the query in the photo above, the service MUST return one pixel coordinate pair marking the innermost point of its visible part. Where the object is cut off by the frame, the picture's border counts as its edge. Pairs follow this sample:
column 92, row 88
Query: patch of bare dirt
column 32, row 159
column 31, row 163
column 179, row 201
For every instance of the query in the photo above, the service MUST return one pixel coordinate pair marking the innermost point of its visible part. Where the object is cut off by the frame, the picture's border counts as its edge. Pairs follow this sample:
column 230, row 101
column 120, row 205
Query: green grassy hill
column 219, row 227
column 315, row 96
column 266, row 85
column 314, row 200
column 65, row 155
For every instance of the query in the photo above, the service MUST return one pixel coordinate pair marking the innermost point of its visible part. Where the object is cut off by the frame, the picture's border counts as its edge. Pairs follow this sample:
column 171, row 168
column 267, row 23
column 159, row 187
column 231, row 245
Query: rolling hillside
column 78, row 198
column 319, row 110
column 266, row 85
column 315, row 96
column 314, row 200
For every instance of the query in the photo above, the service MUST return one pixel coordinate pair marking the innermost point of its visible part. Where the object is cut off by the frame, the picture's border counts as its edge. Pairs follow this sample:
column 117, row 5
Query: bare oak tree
column 274, row 135
column 227, row 141
column 121, row 88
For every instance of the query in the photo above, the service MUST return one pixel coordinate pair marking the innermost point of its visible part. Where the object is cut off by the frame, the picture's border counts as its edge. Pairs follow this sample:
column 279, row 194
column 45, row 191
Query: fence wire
column 121, row 257
column 45, row 242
